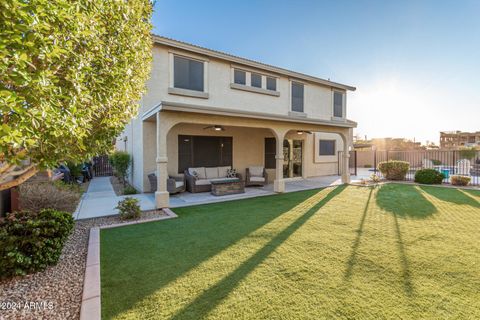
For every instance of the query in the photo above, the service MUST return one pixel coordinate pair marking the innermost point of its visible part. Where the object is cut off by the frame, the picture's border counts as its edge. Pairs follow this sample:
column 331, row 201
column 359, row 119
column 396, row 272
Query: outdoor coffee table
column 228, row 186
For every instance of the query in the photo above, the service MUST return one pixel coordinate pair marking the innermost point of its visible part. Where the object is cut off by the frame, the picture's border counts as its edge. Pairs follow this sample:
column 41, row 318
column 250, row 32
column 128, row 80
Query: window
column 204, row 151
column 297, row 97
column 270, row 152
column 256, row 80
column 271, row 84
column 338, row 104
column 187, row 74
column 239, row 77
column 326, row 147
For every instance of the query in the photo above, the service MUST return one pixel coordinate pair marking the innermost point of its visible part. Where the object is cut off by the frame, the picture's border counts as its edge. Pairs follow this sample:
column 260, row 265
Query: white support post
column 279, row 182
column 161, row 195
column 346, row 161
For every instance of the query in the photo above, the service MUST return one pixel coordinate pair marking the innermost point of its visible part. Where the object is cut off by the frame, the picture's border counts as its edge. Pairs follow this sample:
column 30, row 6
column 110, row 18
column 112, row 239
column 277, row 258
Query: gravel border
column 57, row 291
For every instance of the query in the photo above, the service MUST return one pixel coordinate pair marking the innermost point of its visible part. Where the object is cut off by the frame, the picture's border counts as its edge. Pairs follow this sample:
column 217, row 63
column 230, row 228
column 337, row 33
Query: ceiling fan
column 215, row 127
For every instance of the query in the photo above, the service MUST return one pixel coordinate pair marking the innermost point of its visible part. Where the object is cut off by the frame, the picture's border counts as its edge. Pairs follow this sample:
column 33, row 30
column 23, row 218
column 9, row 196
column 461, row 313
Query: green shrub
column 30, row 242
column 394, row 170
column 367, row 165
column 120, row 161
column 460, row 180
column 60, row 196
column 128, row 208
column 436, row 162
column 129, row 190
column 429, row 176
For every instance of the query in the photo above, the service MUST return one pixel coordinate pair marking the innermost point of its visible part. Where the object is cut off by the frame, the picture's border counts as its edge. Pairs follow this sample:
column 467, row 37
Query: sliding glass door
column 292, row 158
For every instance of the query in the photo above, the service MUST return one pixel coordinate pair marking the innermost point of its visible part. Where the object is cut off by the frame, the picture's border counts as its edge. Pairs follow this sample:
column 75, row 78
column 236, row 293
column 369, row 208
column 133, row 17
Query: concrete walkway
column 100, row 200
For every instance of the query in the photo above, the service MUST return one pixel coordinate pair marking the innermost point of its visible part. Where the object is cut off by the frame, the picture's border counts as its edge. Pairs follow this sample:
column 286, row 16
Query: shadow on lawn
column 404, row 201
column 353, row 256
column 210, row 298
column 451, row 195
column 155, row 254
column 406, row 275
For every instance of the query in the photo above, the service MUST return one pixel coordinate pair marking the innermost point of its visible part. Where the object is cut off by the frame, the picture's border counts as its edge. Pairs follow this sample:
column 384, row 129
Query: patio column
column 279, row 182
column 161, row 195
column 346, row 159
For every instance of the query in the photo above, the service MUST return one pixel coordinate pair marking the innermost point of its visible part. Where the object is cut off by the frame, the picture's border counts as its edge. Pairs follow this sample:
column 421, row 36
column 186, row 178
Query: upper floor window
column 271, row 84
column 239, row 77
column 297, row 96
column 188, row 74
column 256, row 80
column 326, row 147
column 338, row 104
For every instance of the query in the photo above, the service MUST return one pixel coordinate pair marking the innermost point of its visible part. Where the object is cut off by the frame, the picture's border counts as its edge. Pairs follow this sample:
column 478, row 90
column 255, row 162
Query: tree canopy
column 71, row 76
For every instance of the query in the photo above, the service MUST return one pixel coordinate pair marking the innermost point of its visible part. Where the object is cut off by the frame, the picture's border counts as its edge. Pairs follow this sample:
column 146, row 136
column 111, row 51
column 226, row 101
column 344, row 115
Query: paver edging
column 91, row 304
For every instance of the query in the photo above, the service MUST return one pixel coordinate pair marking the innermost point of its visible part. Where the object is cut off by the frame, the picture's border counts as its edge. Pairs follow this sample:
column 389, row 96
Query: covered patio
column 167, row 122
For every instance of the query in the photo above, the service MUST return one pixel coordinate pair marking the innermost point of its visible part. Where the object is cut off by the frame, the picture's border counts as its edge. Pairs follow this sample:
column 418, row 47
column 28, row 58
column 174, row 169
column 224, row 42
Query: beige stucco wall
column 318, row 102
column 248, row 143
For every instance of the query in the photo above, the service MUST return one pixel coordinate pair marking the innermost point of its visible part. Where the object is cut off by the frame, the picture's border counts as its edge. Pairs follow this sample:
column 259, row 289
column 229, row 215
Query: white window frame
column 291, row 112
column 182, row 91
column 344, row 104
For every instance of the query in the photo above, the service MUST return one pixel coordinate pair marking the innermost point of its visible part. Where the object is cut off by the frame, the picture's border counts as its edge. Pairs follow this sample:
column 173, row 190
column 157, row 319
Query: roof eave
column 251, row 63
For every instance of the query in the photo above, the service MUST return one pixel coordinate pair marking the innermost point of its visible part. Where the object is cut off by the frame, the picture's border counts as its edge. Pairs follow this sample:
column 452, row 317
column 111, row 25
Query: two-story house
column 204, row 107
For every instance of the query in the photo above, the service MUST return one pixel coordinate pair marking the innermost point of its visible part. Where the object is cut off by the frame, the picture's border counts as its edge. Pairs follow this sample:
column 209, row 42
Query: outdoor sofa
column 199, row 179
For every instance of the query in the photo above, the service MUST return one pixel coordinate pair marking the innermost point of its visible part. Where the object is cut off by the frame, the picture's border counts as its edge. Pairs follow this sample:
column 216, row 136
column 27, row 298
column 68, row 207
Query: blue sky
column 416, row 64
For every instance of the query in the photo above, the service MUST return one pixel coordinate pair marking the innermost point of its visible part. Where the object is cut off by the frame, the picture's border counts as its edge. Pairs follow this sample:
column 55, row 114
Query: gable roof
column 247, row 62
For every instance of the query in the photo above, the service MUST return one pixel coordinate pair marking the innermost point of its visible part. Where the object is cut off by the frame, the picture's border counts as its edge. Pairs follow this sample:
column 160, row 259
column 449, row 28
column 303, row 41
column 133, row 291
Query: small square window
column 188, row 74
column 256, row 80
column 326, row 147
column 239, row 77
column 271, row 84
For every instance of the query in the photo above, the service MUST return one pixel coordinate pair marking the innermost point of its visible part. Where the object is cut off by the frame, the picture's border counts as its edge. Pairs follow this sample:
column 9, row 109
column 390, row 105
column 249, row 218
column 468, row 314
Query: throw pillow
column 231, row 173
column 195, row 174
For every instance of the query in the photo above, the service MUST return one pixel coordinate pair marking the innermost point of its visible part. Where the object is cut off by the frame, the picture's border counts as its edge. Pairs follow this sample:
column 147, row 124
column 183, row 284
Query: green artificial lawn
column 396, row 251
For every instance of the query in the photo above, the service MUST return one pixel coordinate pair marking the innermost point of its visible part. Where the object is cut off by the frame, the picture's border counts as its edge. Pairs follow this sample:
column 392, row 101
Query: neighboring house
column 208, row 108
column 458, row 139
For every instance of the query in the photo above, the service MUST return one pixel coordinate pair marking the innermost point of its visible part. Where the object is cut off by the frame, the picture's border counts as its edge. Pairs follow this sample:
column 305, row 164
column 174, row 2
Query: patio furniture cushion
column 256, row 171
column 200, row 172
column 221, row 179
column 222, row 171
column 231, row 173
column 202, row 182
column 257, row 179
column 211, row 173
column 178, row 184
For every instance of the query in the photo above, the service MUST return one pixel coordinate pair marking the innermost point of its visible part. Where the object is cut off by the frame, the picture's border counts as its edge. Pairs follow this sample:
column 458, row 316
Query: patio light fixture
column 215, row 127
column 304, row 131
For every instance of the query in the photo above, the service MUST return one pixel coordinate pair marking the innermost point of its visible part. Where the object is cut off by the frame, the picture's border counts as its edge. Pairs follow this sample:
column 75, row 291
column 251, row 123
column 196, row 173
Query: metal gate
column 101, row 166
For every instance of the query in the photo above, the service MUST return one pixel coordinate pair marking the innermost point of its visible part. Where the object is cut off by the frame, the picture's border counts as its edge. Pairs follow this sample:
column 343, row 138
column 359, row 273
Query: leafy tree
column 71, row 73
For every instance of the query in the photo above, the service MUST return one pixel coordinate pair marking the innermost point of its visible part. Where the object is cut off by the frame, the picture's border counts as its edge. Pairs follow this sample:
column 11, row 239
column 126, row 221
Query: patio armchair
column 256, row 176
column 174, row 184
